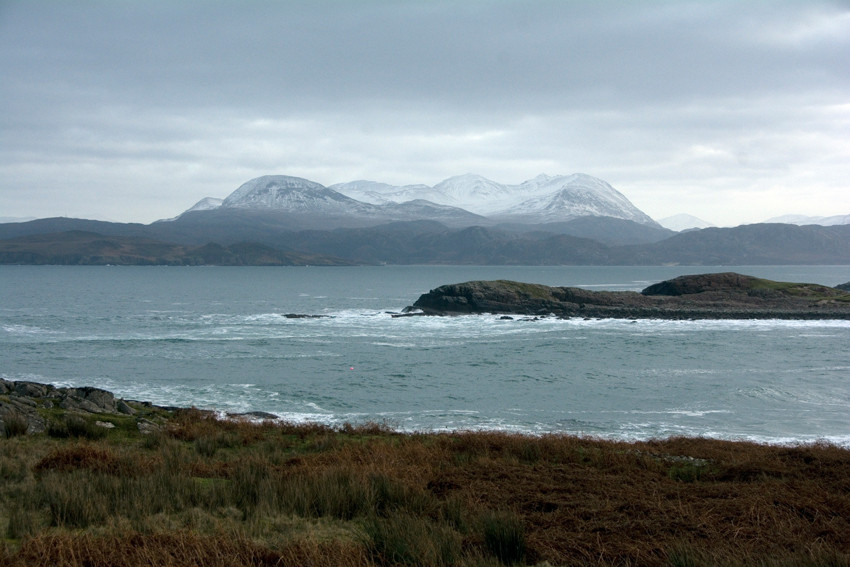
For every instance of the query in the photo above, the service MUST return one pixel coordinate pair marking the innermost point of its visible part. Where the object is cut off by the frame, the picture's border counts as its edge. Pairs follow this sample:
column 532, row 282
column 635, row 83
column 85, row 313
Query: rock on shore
column 23, row 399
column 705, row 296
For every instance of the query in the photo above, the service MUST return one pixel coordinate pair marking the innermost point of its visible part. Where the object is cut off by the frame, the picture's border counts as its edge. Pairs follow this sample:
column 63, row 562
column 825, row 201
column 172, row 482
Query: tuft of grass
column 405, row 539
column 22, row 523
column 80, row 427
column 687, row 472
column 14, row 425
column 504, row 536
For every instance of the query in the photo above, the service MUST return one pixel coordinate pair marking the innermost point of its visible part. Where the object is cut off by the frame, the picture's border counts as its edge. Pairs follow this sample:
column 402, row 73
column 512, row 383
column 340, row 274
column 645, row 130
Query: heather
column 197, row 489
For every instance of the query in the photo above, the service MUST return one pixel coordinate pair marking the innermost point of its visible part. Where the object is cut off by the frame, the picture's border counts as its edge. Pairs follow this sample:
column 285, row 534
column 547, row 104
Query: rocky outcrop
column 22, row 400
column 705, row 296
column 24, row 405
column 843, row 287
column 687, row 285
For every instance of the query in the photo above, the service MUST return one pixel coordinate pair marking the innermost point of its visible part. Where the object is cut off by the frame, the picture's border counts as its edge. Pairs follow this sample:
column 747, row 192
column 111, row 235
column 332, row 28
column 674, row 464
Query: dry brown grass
column 212, row 492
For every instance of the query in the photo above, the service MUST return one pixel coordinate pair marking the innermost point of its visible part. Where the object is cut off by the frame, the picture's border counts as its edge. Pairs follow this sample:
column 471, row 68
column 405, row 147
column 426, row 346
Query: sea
column 224, row 339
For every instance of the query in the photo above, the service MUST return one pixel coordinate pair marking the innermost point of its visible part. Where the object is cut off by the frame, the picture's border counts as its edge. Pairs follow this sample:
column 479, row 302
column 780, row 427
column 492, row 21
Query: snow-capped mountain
column 293, row 195
column 565, row 197
column 462, row 200
column 804, row 220
column 542, row 199
column 321, row 207
column 474, row 193
column 683, row 221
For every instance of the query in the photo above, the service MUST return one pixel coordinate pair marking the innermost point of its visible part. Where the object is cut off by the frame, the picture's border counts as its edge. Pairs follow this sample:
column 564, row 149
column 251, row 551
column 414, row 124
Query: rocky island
column 706, row 296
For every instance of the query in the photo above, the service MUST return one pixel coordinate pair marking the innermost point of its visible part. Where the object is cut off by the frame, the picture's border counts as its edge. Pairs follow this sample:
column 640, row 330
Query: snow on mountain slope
column 292, row 194
column 564, row 197
column 473, row 193
column 545, row 198
column 383, row 193
column 804, row 220
column 206, row 204
column 683, row 221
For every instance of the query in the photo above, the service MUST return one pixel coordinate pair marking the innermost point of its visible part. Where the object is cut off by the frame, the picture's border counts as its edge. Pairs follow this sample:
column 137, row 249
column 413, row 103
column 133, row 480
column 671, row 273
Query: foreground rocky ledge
column 707, row 296
column 30, row 407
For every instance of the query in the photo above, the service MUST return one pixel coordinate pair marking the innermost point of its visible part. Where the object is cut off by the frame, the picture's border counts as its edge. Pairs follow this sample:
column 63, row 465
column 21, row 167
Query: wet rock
column 254, row 415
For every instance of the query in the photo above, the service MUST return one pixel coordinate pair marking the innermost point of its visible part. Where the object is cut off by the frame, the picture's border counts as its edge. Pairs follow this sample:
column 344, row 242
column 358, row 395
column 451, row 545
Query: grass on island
column 204, row 491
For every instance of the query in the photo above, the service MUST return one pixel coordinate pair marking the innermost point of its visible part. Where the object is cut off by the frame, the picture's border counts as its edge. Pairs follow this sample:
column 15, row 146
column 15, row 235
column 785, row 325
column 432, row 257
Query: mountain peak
column 290, row 194
column 206, row 204
column 265, row 191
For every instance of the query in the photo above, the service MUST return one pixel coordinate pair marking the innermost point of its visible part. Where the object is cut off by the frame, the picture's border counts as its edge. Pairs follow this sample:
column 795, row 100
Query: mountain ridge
column 555, row 220
column 542, row 199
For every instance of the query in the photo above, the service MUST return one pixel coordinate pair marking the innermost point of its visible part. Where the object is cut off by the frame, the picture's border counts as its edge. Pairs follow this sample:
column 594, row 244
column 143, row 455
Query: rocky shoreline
column 706, row 296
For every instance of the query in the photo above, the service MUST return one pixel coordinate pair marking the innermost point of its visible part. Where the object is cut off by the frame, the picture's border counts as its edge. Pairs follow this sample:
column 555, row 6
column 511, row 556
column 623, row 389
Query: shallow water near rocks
column 219, row 338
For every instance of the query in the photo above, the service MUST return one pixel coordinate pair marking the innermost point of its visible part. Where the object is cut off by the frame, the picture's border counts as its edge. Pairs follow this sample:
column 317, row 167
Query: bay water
column 219, row 338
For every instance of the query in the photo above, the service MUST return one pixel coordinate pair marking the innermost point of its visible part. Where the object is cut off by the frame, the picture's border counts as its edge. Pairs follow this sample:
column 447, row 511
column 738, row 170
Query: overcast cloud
column 132, row 111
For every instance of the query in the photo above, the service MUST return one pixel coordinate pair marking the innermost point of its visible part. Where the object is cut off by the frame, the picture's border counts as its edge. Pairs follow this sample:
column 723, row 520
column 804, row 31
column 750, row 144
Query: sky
column 133, row 111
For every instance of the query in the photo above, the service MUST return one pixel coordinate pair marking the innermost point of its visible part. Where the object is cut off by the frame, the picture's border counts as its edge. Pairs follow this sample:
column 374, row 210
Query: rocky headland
column 706, row 296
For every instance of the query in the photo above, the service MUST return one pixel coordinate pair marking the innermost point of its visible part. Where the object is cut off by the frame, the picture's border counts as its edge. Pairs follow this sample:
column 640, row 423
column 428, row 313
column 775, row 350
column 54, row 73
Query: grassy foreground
column 204, row 491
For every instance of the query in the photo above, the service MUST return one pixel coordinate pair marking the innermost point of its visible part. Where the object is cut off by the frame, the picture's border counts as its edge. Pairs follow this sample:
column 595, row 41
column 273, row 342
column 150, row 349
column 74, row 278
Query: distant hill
column 754, row 244
column 429, row 242
column 804, row 220
column 89, row 248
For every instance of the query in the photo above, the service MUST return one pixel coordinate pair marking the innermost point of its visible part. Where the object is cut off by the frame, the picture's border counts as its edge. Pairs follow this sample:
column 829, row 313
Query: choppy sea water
column 219, row 338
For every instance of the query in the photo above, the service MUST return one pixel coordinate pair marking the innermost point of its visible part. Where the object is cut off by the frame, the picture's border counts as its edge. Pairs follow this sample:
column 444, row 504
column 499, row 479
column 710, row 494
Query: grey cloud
column 199, row 96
